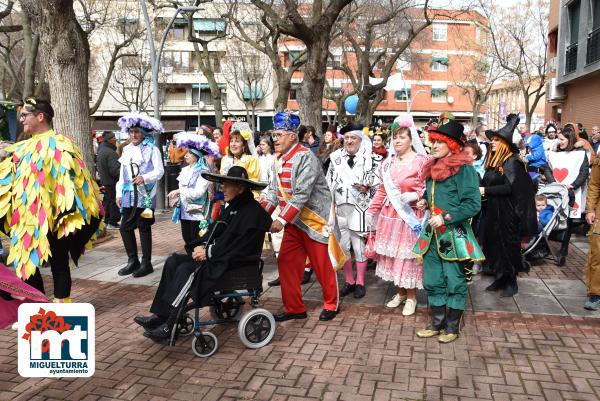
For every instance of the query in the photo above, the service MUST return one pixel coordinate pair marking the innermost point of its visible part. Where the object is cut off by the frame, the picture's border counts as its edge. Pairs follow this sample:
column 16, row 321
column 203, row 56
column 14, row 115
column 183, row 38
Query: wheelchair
column 256, row 328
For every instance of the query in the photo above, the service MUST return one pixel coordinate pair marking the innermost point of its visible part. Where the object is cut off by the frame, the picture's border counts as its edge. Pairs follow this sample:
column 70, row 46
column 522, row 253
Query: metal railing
column 593, row 46
column 571, row 58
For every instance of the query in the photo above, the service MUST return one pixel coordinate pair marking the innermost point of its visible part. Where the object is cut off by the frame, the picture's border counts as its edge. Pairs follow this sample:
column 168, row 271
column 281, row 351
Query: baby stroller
column 255, row 328
column 539, row 247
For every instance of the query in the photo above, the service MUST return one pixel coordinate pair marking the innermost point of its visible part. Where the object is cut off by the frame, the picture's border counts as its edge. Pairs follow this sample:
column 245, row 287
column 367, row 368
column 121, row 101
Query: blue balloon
column 351, row 104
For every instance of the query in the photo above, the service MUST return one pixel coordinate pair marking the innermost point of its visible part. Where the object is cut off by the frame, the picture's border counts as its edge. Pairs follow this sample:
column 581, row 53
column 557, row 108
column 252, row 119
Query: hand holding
column 139, row 180
column 436, row 221
column 276, row 226
column 422, row 204
column 118, row 201
column 199, row 253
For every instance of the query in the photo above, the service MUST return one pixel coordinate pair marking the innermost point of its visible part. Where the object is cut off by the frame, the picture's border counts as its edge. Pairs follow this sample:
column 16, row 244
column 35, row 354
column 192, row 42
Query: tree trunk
column 311, row 93
column 31, row 43
column 284, row 85
column 66, row 53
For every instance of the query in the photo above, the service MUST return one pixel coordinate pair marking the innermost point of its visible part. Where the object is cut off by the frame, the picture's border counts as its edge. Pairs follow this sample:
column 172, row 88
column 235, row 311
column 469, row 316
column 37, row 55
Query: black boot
column 511, row 288
column 562, row 255
column 498, row 284
column 146, row 267
column 438, row 322
column 133, row 262
column 307, row 275
column 453, row 319
column 149, row 322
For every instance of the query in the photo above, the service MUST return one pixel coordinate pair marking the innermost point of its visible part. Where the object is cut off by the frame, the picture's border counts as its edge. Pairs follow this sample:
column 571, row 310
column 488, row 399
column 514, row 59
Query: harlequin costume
column 139, row 201
column 345, row 171
column 49, row 204
column 452, row 191
column 299, row 188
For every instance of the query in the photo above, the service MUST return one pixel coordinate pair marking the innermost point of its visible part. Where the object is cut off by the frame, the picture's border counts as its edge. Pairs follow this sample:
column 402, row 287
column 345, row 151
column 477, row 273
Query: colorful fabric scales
column 44, row 187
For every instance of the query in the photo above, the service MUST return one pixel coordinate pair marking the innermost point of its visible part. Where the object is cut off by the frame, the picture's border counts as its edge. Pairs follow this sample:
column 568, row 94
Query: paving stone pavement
column 547, row 349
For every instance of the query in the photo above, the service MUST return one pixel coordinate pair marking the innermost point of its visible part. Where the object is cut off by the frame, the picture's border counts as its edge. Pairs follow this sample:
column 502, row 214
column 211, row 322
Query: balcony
column 571, row 58
column 593, row 46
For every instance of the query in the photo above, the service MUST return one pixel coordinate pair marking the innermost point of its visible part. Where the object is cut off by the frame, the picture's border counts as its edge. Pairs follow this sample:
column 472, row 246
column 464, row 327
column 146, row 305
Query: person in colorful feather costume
column 50, row 206
column 141, row 168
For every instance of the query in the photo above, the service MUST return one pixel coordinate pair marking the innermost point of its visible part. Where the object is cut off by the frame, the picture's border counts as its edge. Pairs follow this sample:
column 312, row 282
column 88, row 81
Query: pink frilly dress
column 394, row 239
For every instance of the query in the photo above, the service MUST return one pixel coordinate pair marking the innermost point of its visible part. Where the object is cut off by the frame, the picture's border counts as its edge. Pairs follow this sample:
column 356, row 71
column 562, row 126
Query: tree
column 313, row 25
column 377, row 33
column 250, row 74
column 482, row 70
column 66, row 55
column 520, row 46
column 267, row 39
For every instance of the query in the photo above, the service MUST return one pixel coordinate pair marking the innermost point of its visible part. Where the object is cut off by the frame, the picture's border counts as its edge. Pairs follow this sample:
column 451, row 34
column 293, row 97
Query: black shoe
column 511, row 289
column 562, row 260
column 498, row 284
column 307, row 275
column 282, row 316
column 143, row 270
column 160, row 334
column 274, row 283
column 327, row 315
column 359, row 291
column 347, row 289
column 132, row 265
column 149, row 322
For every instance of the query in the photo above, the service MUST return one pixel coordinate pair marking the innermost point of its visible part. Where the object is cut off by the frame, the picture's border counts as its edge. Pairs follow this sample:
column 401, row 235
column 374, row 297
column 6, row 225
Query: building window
column 403, row 65
column 294, row 91
column 440, row 32
column 439, row 63
column 334, row 61
column 574, row 11
column 180, row 61
column 593, row 41
column 293, row 55
column 439, row 95
column 402, row 95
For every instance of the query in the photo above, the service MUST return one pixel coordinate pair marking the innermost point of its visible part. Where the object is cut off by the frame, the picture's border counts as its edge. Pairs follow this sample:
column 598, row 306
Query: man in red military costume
column 300, row 189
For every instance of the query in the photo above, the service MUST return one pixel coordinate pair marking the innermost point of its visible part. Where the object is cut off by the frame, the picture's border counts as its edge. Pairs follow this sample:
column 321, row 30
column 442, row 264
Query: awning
column 252, row 92
column 206, row 86
column 441, row 60
column 209, row 25
column 438, row 92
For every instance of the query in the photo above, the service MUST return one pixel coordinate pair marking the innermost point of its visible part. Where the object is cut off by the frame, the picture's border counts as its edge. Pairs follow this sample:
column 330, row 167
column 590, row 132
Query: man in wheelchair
column 237, row 234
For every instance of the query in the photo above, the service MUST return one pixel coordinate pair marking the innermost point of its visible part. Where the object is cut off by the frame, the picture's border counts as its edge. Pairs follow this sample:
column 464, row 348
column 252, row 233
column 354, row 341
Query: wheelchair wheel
column 226, row 308
column 186, row 326
column 207, row 349
column 257, row 328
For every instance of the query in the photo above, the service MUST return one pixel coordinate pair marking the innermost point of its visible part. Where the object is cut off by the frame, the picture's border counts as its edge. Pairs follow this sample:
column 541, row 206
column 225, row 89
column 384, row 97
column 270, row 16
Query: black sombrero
column 235, row 174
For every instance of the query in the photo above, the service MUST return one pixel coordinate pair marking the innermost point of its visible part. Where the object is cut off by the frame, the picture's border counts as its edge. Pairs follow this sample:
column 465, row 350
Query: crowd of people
column 427, row 208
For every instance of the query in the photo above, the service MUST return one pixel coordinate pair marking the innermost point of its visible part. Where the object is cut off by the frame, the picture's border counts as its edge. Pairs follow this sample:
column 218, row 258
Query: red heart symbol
column 576, row 205
column 422, row 244
column 560, row 174
column 442, row 229
column 470, row 248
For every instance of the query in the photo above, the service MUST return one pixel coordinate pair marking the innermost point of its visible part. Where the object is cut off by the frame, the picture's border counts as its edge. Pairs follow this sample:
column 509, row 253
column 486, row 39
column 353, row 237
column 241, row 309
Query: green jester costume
column 452, row 192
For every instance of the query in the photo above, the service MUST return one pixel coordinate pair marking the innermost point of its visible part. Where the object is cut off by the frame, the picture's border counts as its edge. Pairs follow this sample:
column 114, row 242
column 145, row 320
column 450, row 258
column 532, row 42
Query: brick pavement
column 366, row 353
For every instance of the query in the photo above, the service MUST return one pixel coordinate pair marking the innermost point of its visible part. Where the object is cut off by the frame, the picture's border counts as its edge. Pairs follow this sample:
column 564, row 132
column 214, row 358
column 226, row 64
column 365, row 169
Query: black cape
column 508, row 214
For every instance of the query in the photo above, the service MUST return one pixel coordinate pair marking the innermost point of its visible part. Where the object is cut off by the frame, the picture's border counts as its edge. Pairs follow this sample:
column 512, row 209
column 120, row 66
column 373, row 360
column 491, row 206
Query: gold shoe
column 427, row 333
column 446, row 338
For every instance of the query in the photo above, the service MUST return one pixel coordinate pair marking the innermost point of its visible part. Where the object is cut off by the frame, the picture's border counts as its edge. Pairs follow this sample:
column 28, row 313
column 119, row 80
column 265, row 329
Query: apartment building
column 429, row 80
column 433, row 76
column 573, row 90
column 507, row 97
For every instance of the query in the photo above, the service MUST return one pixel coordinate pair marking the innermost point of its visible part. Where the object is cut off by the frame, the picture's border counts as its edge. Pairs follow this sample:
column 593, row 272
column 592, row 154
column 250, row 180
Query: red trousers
column 296, row 246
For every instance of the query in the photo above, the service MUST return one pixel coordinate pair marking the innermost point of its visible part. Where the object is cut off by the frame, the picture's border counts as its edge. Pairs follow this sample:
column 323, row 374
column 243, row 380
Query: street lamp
column 409, row 101
column 155, row 65
column 200, row 107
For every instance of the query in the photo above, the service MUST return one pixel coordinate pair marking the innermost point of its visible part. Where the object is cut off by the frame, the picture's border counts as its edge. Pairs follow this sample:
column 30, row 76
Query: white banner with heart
column 565, row 167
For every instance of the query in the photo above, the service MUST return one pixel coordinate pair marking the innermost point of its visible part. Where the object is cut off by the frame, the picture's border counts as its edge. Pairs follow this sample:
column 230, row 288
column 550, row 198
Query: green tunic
column 457, row 199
